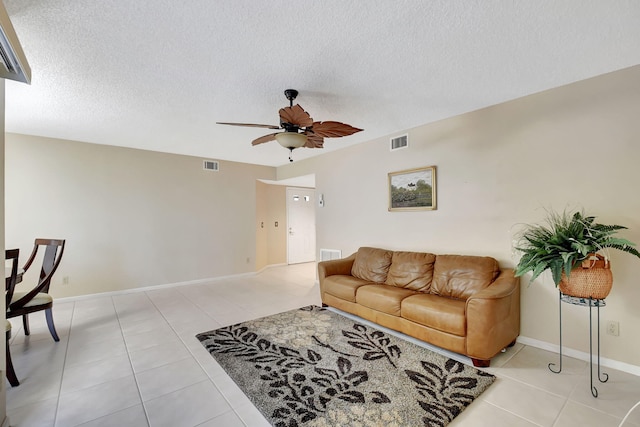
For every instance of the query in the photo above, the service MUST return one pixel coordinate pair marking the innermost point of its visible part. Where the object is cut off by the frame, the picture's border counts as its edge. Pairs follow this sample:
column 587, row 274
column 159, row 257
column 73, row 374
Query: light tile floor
column 133, row 360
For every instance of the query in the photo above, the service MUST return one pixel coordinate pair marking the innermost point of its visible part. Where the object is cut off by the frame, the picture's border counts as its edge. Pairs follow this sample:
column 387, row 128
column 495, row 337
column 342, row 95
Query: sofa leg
column 478, row 363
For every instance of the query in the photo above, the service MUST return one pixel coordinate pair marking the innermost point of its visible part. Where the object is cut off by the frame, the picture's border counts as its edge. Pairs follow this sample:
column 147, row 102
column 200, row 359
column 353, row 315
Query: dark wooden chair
column 11, row 254
column 38, row 298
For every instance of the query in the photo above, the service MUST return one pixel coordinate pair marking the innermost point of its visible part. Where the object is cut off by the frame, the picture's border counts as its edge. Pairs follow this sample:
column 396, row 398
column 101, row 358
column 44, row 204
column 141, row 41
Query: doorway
column 301, row 225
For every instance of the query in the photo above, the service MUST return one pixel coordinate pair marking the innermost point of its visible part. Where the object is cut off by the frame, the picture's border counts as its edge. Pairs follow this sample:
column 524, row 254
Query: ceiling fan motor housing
column 288, row 127
column 291, row 94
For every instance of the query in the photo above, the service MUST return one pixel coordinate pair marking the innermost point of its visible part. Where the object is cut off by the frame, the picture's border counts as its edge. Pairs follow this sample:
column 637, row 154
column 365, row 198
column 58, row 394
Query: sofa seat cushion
column 343, row 287
column 411, row 270
column 443, row 314
column 461, row 276
column 384, row 298
column 372, row 264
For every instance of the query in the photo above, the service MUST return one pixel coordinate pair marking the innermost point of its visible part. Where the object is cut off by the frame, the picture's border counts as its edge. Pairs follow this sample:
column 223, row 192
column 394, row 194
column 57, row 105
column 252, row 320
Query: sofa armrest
column 335, row 266
column 493, row 316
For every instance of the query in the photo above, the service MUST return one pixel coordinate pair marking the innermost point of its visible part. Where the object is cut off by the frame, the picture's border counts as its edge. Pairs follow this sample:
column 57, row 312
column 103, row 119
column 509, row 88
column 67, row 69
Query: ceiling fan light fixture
column 291, row 140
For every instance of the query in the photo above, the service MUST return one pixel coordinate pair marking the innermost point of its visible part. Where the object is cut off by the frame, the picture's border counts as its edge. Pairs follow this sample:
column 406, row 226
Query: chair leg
column 25, row 324
column 11, row 373
column 52, row 328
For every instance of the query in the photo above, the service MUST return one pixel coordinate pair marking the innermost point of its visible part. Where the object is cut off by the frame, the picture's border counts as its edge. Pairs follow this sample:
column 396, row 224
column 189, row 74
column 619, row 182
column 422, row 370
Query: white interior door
column 301, row 225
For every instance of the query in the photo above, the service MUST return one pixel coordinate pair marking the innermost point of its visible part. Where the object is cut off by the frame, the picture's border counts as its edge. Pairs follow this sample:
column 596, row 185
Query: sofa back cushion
column 372, row 264
column 411, row 270
column 461, row 276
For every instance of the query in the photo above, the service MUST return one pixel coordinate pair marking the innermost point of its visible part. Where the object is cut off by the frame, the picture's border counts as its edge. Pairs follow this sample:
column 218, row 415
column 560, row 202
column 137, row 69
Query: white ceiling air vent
column 399, row 142
column 211, row 165
column 13, row 63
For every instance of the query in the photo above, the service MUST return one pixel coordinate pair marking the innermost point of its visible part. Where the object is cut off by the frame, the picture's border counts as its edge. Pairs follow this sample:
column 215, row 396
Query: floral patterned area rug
column 314, row 367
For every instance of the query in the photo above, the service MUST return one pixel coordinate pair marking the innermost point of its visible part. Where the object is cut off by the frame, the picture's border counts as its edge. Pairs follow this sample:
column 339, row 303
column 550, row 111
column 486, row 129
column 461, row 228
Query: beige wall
column 577, row 145
column 132, row 218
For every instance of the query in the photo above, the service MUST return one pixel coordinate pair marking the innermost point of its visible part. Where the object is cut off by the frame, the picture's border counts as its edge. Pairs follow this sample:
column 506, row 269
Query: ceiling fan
column 299, row 128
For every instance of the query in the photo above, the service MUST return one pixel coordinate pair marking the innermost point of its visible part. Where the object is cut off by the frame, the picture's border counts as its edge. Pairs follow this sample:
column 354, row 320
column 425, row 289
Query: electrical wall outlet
column 613, row 328
column 65, row 280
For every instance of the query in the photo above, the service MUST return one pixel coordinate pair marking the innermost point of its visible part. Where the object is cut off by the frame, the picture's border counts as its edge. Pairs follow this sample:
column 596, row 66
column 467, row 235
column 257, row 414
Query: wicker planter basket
column 593, row 279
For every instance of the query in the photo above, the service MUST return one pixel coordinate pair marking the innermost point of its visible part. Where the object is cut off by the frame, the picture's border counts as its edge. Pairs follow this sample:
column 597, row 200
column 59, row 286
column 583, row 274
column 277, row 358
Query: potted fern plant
column 575, row 249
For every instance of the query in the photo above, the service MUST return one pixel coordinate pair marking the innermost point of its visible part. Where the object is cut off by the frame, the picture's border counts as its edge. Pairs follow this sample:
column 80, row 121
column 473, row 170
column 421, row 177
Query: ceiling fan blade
column 266, row 138
column 295, row 116
column 251, row 125
column 314, row 141
column 332, row 129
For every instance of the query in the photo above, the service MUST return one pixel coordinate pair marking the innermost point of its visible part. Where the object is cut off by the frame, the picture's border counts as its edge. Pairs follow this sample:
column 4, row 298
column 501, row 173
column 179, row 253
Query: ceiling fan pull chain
column 290, row 154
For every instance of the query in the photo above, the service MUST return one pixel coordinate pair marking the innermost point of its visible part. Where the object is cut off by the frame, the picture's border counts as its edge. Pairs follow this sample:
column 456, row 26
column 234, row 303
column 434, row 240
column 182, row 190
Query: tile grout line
column 593, row 408
column 189, row 349
column 135, row 378
column 555, row 421
column 506, row 376
column 511, row 378
column 211, row 292
column 233, row 409
column 193, row 357
column 513, row 413
column 64, row 362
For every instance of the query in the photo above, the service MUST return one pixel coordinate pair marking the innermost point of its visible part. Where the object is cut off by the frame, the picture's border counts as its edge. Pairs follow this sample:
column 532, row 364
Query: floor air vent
column 399, row 142
column 211, row 165
column 329, row 254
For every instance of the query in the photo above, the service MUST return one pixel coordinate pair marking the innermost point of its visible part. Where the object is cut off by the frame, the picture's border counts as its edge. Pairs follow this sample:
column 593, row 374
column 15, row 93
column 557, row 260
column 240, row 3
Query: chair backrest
column 54, row 248
column 10, row 281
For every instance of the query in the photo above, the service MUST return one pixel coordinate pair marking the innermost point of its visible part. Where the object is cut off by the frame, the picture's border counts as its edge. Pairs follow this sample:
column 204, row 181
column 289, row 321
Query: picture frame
column 413, row 189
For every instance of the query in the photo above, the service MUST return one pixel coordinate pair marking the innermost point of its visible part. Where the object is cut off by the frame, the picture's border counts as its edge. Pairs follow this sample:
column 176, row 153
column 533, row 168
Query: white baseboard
column 154, row 287
column 166, row 286
column 266, row 267
column 581, row 355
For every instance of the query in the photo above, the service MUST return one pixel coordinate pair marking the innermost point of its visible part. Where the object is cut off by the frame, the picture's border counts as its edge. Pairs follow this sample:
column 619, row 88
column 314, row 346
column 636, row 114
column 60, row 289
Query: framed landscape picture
column 413, row 189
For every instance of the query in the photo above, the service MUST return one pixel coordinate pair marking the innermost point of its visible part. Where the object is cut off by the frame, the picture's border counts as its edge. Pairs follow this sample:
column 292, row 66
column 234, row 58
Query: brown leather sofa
column 465, row 304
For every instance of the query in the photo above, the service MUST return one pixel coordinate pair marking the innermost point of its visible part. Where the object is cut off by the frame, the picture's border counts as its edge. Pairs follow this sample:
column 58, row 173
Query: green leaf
column 556, row 270
column 538, row 269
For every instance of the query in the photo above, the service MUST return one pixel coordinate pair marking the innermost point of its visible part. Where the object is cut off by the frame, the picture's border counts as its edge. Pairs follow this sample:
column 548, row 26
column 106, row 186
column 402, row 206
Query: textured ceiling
column 158, row 74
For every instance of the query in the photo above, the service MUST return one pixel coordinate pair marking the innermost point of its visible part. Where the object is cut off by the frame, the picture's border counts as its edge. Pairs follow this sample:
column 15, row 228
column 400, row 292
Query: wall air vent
column 211, row 165
column 329, row 254
column 399, row 142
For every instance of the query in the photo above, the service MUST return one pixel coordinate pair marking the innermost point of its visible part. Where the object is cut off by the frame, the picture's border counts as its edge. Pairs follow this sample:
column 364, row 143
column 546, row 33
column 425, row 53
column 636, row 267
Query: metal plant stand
column 587, row 302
